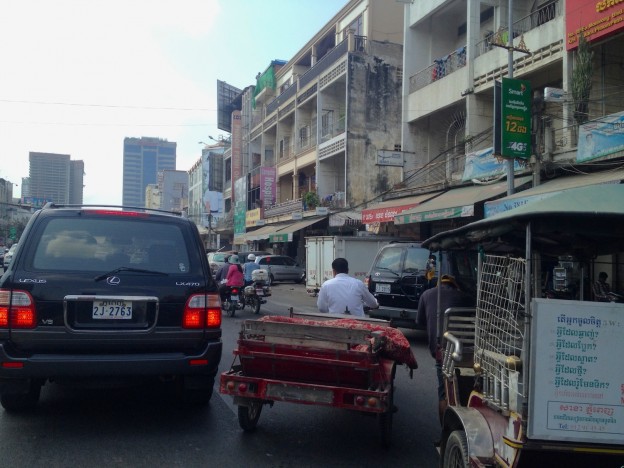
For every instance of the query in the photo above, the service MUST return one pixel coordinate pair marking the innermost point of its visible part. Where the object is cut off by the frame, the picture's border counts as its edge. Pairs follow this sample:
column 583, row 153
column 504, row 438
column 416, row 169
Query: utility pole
column 510, row 51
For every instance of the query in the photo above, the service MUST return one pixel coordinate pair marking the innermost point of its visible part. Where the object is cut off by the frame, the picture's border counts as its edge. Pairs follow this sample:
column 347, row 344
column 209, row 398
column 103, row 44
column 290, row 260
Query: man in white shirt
column 343, row 294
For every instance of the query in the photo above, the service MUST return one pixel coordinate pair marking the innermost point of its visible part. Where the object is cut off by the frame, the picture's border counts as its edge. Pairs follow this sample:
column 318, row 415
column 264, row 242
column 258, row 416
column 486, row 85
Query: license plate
column 259, row 292
column 382, row 288
column 292, row 393
column 234, row 297
column 110, row 309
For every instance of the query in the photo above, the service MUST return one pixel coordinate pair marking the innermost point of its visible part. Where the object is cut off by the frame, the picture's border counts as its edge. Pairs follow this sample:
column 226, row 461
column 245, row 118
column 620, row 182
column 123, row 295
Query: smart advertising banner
column 516, row 118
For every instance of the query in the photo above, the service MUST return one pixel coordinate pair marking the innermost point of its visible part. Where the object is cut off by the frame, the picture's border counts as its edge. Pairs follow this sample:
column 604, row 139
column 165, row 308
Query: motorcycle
column 254, row 294
column 233, row 300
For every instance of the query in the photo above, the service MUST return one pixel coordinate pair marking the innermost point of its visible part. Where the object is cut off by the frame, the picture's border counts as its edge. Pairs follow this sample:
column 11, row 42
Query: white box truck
column 322, row 250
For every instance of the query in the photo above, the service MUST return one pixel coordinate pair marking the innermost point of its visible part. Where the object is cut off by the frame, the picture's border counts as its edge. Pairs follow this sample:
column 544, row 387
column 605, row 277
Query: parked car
column 242, row 256
column 8, row 256
column 110, row 293
column 218, row 259
column 281, row 268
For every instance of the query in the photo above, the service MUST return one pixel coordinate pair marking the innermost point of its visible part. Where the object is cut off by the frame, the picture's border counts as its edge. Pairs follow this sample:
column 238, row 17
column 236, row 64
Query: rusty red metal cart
column 337, row 363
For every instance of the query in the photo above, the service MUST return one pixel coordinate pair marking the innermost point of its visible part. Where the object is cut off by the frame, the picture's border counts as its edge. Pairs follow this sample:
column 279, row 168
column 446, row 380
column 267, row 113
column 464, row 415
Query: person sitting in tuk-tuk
column 602, row 290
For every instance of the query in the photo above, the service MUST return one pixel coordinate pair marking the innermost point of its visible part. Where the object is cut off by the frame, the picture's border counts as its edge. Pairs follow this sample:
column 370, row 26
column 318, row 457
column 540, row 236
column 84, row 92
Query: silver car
column 281, row 268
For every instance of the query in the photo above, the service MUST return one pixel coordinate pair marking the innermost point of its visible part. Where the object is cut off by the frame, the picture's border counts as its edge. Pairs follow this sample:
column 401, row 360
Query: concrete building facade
column 49, row 175
column 322, row 118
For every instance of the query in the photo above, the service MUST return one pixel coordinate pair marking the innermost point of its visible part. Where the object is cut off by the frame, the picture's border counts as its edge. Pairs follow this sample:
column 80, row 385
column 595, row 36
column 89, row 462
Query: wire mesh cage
column 499, row 340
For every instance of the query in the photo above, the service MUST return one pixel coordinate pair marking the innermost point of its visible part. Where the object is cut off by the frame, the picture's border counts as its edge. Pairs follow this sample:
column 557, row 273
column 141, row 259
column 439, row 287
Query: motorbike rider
column 249, row 267
column 234, row 276
column 221, row 276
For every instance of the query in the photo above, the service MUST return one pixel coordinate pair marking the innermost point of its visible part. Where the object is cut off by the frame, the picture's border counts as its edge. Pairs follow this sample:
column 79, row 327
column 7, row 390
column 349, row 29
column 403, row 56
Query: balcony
column 440, row 68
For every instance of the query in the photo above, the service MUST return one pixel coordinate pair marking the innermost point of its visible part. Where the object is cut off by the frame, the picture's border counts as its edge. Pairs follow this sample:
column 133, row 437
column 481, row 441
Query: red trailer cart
column 343, row 363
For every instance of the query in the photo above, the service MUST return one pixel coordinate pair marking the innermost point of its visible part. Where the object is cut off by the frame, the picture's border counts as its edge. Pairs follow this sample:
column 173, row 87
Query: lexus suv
column 100, row 294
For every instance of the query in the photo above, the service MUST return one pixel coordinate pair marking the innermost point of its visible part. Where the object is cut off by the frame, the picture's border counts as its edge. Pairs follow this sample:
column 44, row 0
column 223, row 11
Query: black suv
column 397, row 279
column 398, row 276
column 108, row 293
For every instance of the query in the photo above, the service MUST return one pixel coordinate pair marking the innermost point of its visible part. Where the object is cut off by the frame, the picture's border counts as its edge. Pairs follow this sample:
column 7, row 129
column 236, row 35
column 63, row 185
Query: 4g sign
column 516, row 119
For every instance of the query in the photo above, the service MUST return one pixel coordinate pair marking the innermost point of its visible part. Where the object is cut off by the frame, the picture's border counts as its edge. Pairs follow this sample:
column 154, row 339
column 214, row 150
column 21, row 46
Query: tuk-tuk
column 535, row 378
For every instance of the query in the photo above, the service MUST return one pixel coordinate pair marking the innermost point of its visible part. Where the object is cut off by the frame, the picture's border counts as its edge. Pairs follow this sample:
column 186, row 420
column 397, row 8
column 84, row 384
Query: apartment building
column 319, row 121
column 454, row 172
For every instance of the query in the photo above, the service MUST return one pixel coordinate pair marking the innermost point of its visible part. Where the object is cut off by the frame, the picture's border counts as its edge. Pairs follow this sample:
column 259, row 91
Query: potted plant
column 310, row 200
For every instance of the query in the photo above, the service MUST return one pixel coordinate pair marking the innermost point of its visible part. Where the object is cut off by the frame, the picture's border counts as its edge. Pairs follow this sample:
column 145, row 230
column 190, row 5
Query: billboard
column 483, row 164
column 601, row 138
column 228, row 100
column 594, row 19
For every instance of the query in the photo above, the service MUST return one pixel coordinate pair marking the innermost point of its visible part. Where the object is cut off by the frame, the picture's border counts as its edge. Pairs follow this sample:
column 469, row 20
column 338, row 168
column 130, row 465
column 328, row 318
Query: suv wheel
column 17, row 402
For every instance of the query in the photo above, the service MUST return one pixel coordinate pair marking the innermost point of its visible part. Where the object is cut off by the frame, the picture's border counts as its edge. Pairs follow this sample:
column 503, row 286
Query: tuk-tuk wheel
column 456, row 451
column 248, row 415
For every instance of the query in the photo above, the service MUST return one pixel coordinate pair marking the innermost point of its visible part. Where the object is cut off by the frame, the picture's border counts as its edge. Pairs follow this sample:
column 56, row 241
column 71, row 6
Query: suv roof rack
column 52, row 205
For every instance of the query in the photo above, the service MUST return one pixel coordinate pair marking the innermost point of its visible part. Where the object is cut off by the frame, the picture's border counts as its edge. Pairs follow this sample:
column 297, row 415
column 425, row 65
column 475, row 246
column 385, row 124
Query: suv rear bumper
column 398, row 316
column 44, row 366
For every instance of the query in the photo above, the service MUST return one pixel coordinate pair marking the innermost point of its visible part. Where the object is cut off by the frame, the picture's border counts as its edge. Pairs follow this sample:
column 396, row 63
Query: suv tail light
column 202, row 310
column 17, row 310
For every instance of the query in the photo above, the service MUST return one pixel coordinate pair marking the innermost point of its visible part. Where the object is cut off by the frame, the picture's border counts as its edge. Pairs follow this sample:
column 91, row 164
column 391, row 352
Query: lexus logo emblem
column 113, row 280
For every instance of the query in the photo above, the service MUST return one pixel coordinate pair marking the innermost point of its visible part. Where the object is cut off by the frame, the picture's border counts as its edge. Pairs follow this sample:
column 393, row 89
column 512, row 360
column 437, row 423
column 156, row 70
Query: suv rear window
column 104, row 244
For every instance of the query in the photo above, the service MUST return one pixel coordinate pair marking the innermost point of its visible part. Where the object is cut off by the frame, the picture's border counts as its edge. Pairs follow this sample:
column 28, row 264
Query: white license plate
column 112, row 310
column 382, row 288
column 234, row 297
column 259, row 292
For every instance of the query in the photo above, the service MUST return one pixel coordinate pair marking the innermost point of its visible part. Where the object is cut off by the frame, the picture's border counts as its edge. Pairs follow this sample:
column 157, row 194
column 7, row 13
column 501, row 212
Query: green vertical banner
column 516, row 119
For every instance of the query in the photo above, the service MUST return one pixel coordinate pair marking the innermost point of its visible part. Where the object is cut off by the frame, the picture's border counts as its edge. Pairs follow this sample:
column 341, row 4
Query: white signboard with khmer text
column 576, row 372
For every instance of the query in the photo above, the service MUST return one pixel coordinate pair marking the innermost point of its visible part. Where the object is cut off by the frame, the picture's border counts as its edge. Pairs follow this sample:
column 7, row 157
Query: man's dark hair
column 340, row 265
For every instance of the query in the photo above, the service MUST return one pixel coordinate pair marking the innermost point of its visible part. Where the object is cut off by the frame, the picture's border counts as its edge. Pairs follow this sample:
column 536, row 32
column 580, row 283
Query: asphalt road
column 142, row 426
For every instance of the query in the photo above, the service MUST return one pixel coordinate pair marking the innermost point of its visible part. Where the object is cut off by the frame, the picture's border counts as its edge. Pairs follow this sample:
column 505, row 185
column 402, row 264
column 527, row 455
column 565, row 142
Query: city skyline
column 153, row 74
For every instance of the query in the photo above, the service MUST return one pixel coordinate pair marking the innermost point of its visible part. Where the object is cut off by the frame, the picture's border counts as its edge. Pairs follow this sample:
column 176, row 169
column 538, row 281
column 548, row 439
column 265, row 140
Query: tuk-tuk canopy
column 583, row 221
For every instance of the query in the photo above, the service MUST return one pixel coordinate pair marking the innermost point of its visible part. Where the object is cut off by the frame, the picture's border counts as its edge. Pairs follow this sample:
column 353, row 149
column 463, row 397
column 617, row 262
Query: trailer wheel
column 456, row 451
column 248, row 415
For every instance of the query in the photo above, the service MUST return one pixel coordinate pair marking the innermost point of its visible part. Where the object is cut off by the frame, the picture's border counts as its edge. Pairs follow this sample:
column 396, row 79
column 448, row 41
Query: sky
column 78, row 76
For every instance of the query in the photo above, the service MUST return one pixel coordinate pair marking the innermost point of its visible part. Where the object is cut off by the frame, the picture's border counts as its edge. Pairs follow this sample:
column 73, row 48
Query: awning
column 343, row 218
column 550, row 188
column 285, row 233
column 584, row 221
column 386, row 211
column 262, row 233
column 456, row 203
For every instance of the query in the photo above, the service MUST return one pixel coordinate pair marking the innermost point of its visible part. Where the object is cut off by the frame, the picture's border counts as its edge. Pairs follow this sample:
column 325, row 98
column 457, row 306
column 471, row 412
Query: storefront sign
column 275, row 238
column 384, row 215
column 434, row 215
column 595, row 19
column 252, row 217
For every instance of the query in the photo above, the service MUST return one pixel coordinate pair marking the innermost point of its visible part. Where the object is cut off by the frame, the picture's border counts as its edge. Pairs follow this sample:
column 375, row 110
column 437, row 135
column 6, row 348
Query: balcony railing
column 439, row 69
column 445, row 65
column 324, row 63
column 546, row 13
